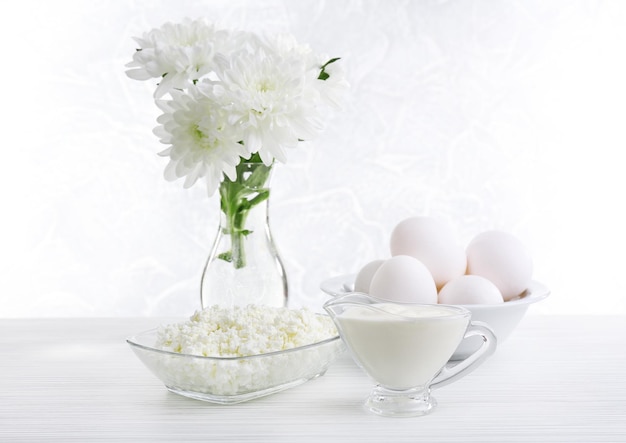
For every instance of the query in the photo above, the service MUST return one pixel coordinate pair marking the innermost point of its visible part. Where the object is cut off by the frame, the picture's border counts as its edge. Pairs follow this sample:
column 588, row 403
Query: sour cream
column 402, row 346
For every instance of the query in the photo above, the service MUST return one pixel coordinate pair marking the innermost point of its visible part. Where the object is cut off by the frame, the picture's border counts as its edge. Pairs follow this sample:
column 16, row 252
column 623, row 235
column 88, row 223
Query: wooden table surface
column 556, row 379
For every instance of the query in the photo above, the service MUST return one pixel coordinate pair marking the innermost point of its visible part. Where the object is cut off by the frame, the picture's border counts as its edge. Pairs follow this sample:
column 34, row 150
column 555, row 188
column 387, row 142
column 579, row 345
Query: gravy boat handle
column 454, row 371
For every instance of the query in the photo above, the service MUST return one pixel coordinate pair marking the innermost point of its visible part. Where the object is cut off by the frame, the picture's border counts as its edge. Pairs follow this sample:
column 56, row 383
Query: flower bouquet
column 233, row 103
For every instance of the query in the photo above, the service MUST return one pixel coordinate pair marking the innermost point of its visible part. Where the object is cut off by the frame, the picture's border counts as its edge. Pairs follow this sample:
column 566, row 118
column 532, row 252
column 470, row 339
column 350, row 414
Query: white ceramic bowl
column 503, row 318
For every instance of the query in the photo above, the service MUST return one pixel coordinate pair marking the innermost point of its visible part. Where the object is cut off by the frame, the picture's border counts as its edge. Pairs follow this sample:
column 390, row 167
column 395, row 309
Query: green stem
column 238, row 197
column 237, row 236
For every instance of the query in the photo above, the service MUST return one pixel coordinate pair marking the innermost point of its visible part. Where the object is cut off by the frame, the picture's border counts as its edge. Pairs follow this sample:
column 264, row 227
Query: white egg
column 434, row 243
column 404, row 279
column 501, row 258
column 364, row 276
column 470, row 290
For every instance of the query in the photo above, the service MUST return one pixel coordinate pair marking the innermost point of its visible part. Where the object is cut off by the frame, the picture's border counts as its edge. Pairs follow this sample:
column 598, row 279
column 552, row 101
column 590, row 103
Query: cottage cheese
column 228, row 336
column 244, row 331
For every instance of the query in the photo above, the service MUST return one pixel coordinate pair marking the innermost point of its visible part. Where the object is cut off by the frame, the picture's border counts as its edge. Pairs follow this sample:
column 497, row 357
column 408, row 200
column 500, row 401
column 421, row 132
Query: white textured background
column 504, row 114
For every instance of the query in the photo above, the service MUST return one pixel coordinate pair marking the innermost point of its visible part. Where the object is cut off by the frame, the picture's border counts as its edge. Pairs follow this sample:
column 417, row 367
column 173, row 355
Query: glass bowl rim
column 133, row 341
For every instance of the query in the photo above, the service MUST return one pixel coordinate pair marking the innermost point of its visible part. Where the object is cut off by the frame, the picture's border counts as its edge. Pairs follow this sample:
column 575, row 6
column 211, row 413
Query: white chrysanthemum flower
column 177, row 54
column 271, row 99
column 234, row 94
column 332, row 86
column 202, row 142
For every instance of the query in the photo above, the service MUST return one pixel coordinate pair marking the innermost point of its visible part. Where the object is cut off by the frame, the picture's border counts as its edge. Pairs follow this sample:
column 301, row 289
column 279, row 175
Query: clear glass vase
column 244, row 266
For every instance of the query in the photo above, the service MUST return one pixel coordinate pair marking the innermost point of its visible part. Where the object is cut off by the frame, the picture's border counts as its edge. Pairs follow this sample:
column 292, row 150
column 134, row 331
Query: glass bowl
column 230, row 380
column 503, row 318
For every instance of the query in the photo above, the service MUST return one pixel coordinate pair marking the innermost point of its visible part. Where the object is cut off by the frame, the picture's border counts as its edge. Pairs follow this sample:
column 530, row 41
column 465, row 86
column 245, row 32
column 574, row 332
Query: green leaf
column 323, row 74
column 254, row 158
column 259, row 177
column 226, row 256
column 261, row 196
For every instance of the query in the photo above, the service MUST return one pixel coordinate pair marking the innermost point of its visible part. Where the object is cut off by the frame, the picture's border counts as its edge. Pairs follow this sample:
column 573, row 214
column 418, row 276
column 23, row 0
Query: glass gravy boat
column 405, row 348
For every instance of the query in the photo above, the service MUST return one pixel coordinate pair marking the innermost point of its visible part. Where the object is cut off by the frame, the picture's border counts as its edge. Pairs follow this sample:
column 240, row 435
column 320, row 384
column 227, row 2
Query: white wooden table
column 557, row 379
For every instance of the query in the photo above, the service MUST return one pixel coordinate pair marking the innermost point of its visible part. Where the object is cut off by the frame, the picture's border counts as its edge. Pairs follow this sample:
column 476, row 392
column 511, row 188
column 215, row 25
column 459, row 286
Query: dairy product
column 402, row 346
column 225, row 352
column 244, row 331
